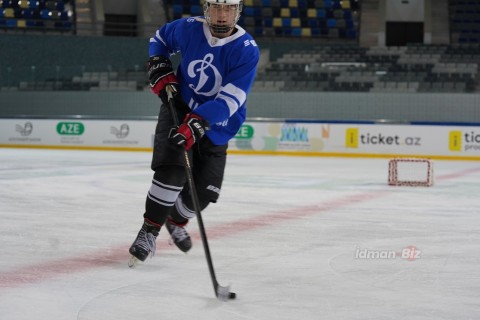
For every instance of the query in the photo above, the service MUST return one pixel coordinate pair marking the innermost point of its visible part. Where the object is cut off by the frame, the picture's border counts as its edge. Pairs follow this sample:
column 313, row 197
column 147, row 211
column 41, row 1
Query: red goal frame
column 393, row 176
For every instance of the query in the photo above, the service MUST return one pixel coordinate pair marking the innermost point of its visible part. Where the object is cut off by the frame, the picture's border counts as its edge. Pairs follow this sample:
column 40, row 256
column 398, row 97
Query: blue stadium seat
column 248, row 11
column 45, row 14
column 28, row 13
column 347, row 14
column 258, row 31
column 312, row 23
column 196, row 10
column 331, row 23
column 33, row 4
column 6, row 4
column 64, row 16
column 351, row 33
column 297, row 32
column 268, row 22
column 177, row 10
column 60, row 5
column 12, row 23
column 350, row 24
column 30, row 24
column 321, row 13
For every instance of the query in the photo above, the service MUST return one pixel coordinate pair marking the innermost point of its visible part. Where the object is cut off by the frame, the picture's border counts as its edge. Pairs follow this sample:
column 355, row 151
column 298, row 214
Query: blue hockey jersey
column 215, row 74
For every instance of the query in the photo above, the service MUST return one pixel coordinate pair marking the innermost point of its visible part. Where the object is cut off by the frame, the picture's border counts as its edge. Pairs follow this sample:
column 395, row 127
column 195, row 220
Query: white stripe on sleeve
column 234, row 97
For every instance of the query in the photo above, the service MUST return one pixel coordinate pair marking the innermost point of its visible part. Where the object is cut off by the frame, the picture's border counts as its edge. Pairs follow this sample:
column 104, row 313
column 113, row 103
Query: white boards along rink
column 296, row 137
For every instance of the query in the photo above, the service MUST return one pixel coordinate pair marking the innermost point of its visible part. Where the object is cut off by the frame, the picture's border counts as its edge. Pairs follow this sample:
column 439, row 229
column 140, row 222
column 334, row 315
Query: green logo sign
column 70, row 128
column 245, row 132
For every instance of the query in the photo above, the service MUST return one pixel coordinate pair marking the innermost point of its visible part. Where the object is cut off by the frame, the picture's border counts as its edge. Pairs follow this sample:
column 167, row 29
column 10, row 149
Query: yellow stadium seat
column 293, row 3
column 21, row 23
column 277, row 22
column 306, row 32
column 295, row 22
column 9, row 13
column 23, row 4
column 312, row 13
column 248, row 3
column 345, row 4
column 285, row 12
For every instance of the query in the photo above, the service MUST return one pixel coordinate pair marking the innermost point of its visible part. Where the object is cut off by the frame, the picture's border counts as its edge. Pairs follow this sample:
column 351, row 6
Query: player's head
column 222, row 15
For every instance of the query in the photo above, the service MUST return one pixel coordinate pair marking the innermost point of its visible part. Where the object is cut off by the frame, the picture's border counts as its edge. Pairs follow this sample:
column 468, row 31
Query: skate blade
column 133, row 262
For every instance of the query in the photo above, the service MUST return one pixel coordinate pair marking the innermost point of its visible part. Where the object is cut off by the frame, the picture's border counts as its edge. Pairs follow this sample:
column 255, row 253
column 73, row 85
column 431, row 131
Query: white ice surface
column 284, row 234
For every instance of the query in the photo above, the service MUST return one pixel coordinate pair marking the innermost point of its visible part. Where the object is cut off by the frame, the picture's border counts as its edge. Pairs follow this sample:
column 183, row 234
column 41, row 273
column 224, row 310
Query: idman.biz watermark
column 410, row 253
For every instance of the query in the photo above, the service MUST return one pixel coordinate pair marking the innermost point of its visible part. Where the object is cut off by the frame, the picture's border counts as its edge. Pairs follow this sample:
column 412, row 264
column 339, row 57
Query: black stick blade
column 224, row 294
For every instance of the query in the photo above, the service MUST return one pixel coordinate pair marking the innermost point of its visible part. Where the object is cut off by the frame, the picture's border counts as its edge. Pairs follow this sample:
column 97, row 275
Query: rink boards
column 257, row 136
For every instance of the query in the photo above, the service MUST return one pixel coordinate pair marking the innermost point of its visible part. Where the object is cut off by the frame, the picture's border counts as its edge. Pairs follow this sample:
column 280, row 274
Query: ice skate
column 144, row 245
column 180, row 236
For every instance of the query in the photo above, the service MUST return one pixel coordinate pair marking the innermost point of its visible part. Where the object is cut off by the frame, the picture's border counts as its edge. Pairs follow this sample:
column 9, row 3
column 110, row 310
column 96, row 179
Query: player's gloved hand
column 190, row 131
column 160, row 74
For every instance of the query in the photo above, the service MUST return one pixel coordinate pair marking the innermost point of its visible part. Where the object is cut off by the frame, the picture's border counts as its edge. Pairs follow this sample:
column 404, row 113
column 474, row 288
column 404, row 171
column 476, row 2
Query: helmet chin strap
column 216, row 28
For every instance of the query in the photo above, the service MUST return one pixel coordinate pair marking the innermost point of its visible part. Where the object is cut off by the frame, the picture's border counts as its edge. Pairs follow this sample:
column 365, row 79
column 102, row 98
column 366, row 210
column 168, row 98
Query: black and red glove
column 190, row 131
column 160, row 74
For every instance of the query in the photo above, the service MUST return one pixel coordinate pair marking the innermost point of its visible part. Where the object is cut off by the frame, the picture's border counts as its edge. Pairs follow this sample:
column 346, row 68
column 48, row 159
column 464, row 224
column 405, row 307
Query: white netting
column 410, row 172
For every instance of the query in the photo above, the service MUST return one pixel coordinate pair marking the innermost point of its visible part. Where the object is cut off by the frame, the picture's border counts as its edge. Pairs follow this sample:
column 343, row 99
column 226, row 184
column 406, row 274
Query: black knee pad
column 171, row 175
column 203, row 199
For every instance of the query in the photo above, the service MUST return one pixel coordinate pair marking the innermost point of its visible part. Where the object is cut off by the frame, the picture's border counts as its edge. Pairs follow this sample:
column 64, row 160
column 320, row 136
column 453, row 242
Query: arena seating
column 464, row 21
column 39, row 15
column 128, row 80
column 320, row 51
column 289, row 18
column 414, row 68
column 67, row 62
column 328, row 67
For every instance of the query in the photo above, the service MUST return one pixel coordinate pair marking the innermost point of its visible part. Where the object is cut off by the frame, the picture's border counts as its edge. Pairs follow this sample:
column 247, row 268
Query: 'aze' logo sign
column 70, row 128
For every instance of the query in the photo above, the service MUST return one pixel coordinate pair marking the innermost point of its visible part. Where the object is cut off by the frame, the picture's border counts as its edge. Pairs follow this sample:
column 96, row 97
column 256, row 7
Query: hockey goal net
column 411, row 172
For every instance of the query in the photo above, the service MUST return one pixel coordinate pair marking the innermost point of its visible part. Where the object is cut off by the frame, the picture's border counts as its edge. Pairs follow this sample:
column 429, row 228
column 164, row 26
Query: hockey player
column 213, row 79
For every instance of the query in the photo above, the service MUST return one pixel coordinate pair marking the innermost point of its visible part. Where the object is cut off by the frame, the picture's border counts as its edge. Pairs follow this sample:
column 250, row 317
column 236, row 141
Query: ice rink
column 302, row 238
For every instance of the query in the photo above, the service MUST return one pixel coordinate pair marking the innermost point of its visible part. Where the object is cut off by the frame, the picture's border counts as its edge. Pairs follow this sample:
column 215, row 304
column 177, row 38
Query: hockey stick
column 222, row 293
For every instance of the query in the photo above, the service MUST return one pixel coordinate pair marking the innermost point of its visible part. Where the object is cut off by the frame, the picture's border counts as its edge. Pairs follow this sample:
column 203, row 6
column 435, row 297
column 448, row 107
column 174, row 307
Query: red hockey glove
column 190, row 131
column 160, row 73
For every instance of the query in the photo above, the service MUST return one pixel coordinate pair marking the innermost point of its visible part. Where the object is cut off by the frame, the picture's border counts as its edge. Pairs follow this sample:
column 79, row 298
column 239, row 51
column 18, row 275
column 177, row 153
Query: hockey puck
column 232, row 295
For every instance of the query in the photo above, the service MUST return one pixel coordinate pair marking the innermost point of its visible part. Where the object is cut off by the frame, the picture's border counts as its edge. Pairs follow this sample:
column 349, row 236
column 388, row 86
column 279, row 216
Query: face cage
column 221, row 28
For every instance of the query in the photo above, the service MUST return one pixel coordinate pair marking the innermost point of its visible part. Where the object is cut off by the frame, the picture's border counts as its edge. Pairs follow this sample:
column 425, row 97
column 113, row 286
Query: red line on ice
column 119, row 255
